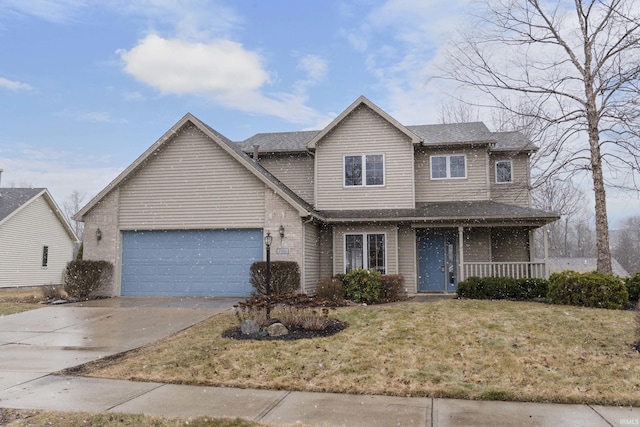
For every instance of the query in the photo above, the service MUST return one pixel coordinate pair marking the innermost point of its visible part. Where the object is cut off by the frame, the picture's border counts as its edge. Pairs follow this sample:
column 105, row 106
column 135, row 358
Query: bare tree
column 70, row 207
column 626, row 247
column 576, row 64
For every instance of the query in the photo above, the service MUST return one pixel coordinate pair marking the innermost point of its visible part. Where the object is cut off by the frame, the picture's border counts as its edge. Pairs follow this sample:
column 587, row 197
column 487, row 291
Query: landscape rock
column 249, row 327
column 277, row 330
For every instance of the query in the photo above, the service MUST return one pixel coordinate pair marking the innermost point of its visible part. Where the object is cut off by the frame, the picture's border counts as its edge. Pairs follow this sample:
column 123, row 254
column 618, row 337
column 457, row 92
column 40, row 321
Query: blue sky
column 86, row 85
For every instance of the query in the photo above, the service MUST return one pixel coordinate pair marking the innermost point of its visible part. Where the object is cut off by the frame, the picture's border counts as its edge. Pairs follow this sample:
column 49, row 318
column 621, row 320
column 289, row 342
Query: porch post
column 460, row 253
column 545, row 236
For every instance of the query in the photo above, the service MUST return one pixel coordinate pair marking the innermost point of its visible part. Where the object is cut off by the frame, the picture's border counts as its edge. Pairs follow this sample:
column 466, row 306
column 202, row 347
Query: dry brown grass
column 12, row 301
column 24, row 418
column 497, row 350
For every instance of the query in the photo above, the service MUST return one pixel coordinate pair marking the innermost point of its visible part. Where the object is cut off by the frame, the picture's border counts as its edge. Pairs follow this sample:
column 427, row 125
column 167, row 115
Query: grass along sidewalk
column 16, row 301
column 470, row 349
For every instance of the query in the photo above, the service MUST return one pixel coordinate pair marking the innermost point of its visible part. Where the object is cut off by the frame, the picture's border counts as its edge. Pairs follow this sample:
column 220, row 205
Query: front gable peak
column 362, row 101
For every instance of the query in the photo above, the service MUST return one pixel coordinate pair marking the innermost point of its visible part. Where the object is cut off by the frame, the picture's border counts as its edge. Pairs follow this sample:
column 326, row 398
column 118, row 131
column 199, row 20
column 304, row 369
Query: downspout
column 460, row 254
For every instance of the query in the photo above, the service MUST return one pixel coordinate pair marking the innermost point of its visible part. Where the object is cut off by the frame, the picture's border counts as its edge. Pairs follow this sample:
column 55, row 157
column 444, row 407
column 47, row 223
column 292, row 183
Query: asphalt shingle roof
column 476, row 211
column 438, row 134
column 12, row 198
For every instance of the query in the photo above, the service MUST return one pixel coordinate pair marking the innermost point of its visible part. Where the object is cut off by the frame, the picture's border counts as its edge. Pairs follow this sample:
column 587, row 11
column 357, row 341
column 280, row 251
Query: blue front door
column 437, row 266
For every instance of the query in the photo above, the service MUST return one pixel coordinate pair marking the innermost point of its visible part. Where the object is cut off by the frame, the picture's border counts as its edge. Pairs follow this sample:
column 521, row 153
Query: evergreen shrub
column 588, row 290
column 362, row 286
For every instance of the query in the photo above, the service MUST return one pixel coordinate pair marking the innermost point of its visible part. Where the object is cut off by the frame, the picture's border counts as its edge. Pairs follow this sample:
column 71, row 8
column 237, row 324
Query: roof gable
column 226, row 144
column 357, row 103
column 14, row 200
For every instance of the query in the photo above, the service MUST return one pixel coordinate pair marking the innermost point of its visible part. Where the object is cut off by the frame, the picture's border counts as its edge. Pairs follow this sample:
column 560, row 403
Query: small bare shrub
column 331, row 289
column 285, row 277
column 82, row 277
column 391, row 288
column 52, row 292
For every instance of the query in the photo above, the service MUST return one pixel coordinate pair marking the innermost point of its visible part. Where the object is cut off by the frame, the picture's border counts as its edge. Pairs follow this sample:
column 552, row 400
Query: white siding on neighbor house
column 191, row 183
column 23, row 237
column 311, row 257
column 407, row 257
column 294, row 170
column 473, row 187
column 517, row 192
column 364, row 132
column 391, row 248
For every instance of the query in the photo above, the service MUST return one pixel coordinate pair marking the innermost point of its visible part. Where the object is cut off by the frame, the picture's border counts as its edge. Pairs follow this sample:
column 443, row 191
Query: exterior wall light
column 98, row 235
column 281, row 231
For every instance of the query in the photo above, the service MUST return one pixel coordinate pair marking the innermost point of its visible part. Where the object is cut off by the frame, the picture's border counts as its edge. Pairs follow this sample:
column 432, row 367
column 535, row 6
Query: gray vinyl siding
column 477, row 245
column 517, row 192
column 473, row 187
column 23, row 237
column 407, row 258
column 192, row 183
column 364, row 132
column 326, row 252
column 294, row 170
column 311, row 257
column 509, row 245
column 391, row 245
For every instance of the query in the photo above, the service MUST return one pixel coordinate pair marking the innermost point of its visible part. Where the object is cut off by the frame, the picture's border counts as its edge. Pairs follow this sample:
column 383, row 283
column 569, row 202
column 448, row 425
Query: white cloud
column 13, row 85
column 179, row 67
column 92, row 116
column 315, row 67
column 57, row 11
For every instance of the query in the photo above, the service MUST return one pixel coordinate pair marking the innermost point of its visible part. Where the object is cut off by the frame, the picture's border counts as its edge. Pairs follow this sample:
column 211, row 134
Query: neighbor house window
column 504, row 171
column 364, row 170
column 45, row 256
column 449, row 166
column 365, row 250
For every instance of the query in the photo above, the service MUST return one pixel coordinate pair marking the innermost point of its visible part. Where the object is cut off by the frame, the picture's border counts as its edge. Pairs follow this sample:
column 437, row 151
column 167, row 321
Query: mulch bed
column 295, row 333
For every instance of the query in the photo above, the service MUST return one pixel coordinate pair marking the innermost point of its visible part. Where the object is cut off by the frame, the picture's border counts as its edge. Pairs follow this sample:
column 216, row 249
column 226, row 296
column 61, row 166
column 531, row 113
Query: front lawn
column 470, row 349
column 16, row 301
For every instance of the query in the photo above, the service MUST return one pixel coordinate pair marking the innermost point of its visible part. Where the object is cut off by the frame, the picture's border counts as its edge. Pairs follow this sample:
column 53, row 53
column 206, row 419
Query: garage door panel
column 189, row 263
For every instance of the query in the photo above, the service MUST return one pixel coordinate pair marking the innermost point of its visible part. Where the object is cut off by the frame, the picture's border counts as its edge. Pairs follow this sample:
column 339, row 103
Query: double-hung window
column 364, row 170
column 365, row 250
column 504, row 171
column 449, row 166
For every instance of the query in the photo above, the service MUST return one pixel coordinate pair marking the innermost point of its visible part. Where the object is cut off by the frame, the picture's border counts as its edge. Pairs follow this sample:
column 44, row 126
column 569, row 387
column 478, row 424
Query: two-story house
column 435, row 203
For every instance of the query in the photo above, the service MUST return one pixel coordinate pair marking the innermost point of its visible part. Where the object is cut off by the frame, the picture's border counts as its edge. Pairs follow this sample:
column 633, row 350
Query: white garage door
column 189, row 263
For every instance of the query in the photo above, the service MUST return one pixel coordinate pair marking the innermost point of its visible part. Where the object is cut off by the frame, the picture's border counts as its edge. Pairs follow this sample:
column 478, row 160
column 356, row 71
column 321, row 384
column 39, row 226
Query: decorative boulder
column 277, row 330
column 249, row 327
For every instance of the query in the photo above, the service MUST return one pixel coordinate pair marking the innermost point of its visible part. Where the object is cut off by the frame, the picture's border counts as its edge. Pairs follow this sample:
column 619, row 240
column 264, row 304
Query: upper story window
column 449, row 166
column 504, row 171
column 45, row 256
column 364, row 170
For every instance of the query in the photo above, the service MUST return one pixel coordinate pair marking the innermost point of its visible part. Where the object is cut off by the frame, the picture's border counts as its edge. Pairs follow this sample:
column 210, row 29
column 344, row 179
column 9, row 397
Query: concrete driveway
column 36, row 343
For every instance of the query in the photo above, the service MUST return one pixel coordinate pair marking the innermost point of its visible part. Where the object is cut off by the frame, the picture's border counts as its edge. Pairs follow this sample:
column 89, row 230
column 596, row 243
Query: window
column 449, row 166
column 45, row 256
column 371, row 166
column 504, row 171
column 365, row 251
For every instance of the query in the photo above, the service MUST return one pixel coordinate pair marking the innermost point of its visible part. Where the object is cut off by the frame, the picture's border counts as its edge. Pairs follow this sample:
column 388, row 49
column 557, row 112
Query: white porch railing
column 517, row 270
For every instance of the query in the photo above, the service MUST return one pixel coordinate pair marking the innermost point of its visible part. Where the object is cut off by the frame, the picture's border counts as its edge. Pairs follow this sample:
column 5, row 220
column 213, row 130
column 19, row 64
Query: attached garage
column 189, row 262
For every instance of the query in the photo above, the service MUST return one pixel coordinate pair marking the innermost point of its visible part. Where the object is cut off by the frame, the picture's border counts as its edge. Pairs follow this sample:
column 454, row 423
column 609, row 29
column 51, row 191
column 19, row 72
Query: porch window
column 365, row 251
column 369, row 166
column 449, row 166
column 504, row 171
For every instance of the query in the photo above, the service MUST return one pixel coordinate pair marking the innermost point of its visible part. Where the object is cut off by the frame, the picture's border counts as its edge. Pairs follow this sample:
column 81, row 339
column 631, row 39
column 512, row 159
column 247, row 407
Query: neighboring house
column 434, row 203
column 582, row 265
column 36, row 239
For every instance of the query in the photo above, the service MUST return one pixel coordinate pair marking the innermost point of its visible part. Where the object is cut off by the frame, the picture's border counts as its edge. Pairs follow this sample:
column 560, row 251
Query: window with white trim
column 504, row 171
column 450, row 166
column 365, row 250
column 364, row 170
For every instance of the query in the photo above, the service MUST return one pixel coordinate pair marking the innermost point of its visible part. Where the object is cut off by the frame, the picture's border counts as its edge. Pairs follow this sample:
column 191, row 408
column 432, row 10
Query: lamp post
column 267, row 241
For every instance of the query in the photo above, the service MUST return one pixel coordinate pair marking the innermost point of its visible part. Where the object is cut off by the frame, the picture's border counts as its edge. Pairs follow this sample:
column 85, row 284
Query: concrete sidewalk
column 62, row 393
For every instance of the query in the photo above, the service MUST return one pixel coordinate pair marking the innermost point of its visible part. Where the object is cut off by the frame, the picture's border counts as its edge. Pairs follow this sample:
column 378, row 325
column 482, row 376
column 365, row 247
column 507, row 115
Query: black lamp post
column 267, row 241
